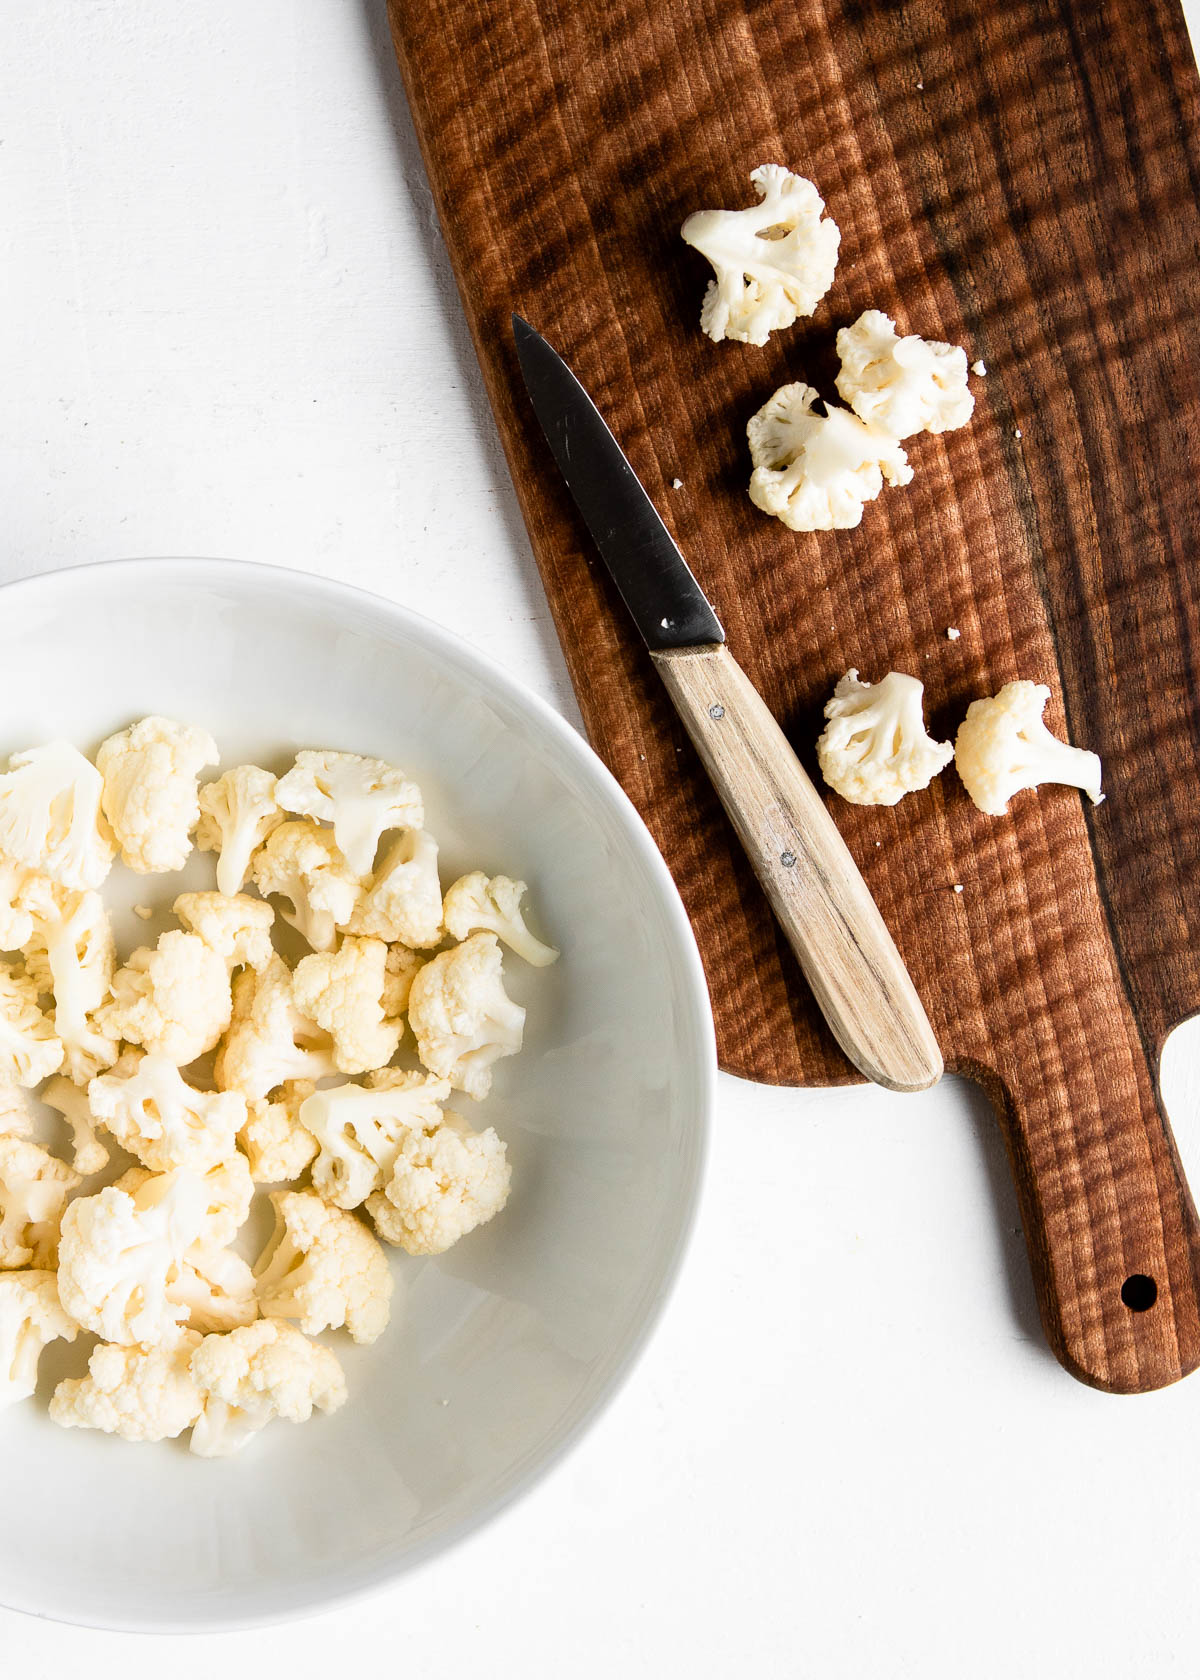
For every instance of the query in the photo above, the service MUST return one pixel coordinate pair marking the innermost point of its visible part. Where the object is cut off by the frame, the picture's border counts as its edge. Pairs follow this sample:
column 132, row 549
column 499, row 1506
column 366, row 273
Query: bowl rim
column 457, row 651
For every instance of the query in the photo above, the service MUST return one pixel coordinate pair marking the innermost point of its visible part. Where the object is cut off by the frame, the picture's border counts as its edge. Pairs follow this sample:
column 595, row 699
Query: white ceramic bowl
column 506, row 1347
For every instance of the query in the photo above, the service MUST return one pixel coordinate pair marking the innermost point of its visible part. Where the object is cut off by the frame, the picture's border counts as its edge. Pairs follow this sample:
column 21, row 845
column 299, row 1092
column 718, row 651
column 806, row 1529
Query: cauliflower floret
column 302, row 863
column 774, row 261
column 173, row 1000
column 30, row 1050
column 269, row 1041
column 139, row 1393
column 16, row 923
column 31, row 1317
column 278, row 1147
column 875, row 749
column 815, row 472
column 88, row 1154
column 361, row 797
column 50, row 817
column 462, row 1018
column 71, row 953
column 237, row 812
column 151, row 771
column 446, row 1180
column 119, row 1254
column 342, row 992
column 400, row 970
column 156, row 1115
column 16, row 1120
column 902, row 385
column 476, row 905
column 34, row 1186
column 1003, row 746
column 404, row 898
column 268, row 1370
column 214, row 1286
column 237, row 929
column 324, row 1269
column 359, row 1130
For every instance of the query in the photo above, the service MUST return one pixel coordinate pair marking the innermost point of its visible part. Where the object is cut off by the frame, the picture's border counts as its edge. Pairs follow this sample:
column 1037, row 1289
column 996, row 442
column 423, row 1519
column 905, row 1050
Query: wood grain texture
column 1020, row 178
column 806, row 870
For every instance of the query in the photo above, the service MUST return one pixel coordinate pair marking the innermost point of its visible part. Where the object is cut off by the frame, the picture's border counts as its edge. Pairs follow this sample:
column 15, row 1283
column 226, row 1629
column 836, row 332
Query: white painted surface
column 228, row 328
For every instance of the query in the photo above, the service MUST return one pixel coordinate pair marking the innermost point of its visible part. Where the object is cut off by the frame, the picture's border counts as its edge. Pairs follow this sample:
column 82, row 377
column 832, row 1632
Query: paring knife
column 832, row 923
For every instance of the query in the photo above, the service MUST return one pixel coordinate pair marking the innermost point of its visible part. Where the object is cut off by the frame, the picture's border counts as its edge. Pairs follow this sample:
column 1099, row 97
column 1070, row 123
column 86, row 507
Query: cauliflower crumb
column 902, row 385
column 462, row 1017
column 173, row 1000
column 978, row 368
column 952, row 634
column 361, row 797
column 677, row 484
column 323, row 1269
column 875, row 748
column 151, row 772
column 958, row 886
column 250, row 1376
column 446, row 1180
column 1004, row 747
column 143, row 911
column 773, row 262
column 342, row 992
column 815, row 472
column 139, row 1393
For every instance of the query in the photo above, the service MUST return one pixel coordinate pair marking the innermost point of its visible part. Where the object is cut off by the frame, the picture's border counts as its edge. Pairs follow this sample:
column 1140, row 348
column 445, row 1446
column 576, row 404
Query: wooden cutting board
column 1020, row 178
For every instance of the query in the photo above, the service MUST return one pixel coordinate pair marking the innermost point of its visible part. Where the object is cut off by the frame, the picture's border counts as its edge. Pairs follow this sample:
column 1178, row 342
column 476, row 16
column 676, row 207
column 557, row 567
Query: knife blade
column 656, row 583
column 814, row 886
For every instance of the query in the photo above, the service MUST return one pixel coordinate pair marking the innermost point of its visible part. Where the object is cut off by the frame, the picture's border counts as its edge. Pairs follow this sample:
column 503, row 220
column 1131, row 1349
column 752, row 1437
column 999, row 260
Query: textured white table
column 229, row 328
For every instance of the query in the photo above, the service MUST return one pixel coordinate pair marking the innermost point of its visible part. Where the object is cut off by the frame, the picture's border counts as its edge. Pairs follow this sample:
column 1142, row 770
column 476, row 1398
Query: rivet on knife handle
column 821, row 901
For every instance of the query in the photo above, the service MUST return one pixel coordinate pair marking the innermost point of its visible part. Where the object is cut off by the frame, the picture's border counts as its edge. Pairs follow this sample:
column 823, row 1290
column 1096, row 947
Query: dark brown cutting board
column 1021, row 178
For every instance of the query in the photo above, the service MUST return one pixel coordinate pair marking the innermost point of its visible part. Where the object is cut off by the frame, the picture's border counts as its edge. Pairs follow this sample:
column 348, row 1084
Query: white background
column 229, row 328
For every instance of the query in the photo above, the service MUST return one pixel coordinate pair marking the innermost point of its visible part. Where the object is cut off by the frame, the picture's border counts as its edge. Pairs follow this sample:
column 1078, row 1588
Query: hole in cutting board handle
column 1139, row 1292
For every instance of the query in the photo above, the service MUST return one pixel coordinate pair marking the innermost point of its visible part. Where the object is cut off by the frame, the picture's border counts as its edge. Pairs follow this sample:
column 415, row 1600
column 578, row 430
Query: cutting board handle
column 1109, row 1220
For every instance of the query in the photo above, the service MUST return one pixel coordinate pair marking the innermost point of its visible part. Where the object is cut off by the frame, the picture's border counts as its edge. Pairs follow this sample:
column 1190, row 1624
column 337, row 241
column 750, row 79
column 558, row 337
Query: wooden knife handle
column 832, row 923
